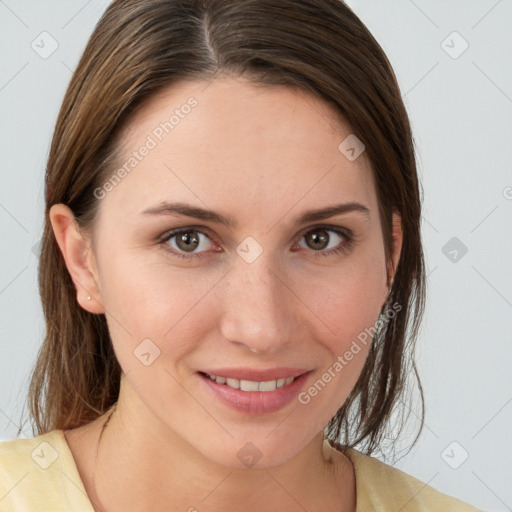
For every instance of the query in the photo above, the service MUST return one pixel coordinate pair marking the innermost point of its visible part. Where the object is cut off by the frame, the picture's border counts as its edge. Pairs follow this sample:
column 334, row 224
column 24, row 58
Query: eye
column 187, row 242
column 326, row 241
column 192, row 243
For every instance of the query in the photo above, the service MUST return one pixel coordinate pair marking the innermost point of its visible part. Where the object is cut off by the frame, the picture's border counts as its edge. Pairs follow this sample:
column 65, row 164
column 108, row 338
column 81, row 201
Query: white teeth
column 267, row 386
column 250, row 385
column 280, row 383
column 233, row 383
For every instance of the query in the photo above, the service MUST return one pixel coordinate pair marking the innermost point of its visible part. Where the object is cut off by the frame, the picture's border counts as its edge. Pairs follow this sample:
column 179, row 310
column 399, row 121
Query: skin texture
column 261, row 155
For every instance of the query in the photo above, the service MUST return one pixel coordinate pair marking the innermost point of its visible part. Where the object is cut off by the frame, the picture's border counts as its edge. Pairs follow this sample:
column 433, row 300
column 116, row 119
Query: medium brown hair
column 141, row 46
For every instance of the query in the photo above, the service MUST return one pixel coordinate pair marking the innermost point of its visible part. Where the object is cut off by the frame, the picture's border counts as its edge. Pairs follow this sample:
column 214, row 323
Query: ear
column 396, row 238
column 78, row 256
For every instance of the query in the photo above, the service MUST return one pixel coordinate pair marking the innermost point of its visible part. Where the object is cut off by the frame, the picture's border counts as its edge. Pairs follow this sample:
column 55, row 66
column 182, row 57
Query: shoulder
column 382, row 487
column 40, row 474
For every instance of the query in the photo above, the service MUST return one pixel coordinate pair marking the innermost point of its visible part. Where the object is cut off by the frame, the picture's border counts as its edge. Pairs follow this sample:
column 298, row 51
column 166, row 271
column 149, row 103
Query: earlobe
column 77, row 253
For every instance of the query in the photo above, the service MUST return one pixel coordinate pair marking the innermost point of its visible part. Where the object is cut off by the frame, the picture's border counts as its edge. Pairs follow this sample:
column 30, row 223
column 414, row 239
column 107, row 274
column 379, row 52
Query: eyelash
column 344, row 248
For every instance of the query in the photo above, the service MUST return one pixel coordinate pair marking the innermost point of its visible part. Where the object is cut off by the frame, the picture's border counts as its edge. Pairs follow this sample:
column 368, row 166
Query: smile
column 251, row 385
column 254, row 392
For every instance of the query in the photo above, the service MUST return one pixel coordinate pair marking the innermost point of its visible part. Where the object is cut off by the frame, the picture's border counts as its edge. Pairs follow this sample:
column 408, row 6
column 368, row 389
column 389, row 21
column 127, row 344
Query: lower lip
column 256, row 402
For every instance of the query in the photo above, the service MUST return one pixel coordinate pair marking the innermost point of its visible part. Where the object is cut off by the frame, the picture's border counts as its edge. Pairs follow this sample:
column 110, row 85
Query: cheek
column 348, row 304
column 348, row 299
column 344, row 356
column 148, row 300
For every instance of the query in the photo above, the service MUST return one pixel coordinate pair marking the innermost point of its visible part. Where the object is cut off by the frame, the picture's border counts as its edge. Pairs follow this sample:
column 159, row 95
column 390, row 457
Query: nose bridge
column 256, row 312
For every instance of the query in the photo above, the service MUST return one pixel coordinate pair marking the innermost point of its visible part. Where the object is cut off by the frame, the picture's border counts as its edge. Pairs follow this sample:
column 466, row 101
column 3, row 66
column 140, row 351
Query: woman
column 231, row 271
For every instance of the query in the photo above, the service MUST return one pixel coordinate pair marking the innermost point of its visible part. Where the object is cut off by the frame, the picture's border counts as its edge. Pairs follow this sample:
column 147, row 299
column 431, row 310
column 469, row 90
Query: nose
column 258, row 308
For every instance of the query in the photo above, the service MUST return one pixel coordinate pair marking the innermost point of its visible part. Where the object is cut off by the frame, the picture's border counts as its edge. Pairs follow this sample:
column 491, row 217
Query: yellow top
column 40, row 475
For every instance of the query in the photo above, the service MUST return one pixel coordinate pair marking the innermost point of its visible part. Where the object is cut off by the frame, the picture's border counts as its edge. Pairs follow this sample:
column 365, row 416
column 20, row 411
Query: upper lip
column 257, row 375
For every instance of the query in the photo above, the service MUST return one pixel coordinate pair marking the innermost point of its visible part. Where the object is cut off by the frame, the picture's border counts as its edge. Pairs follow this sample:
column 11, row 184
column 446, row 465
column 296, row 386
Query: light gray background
column 461, row 111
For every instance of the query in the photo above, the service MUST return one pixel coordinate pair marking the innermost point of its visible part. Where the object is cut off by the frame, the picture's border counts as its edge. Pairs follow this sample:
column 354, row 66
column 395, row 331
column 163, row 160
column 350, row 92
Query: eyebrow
column 166, row 208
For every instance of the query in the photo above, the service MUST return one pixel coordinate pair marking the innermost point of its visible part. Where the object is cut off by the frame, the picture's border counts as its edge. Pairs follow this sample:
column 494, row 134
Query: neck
column 136, row 466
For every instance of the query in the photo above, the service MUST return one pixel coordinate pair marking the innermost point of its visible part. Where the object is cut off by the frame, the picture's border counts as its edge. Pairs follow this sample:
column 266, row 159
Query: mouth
column 251, row 385
column 255, row 392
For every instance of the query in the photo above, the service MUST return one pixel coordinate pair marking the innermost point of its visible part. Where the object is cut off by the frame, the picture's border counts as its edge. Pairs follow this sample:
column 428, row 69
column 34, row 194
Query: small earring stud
column 88, row 297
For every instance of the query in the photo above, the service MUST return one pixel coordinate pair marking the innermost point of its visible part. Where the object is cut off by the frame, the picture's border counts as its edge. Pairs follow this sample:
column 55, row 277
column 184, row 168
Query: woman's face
column 256, row 288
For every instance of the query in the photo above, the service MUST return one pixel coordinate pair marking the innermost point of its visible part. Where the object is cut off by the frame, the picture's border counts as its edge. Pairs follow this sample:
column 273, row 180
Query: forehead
column 230, row 144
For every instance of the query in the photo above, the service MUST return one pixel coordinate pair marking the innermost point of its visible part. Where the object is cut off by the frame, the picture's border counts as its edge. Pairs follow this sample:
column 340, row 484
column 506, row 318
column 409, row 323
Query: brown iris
column 318, row 239
column 187, row 241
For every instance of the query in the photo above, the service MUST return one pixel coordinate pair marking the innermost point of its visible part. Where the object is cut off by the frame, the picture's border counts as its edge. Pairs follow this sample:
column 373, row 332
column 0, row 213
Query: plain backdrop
column 453, row 60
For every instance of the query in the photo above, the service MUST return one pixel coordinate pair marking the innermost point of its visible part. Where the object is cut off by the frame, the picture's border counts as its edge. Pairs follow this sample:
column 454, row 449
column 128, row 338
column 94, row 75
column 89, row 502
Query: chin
column 258, row 452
